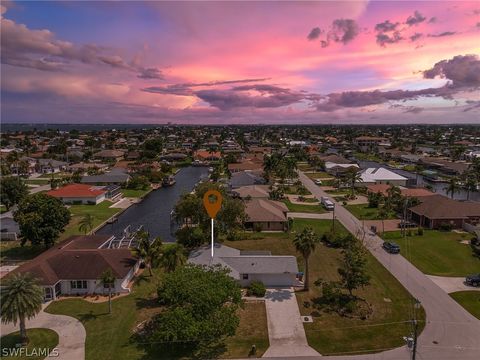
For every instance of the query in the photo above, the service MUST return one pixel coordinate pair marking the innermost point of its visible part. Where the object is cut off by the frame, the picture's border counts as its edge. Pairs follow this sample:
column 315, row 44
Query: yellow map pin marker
column 212, row 200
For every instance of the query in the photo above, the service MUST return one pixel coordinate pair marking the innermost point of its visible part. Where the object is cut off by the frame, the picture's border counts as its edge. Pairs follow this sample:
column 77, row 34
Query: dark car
column 391, row 247
column 406, row 224
column 473, row 280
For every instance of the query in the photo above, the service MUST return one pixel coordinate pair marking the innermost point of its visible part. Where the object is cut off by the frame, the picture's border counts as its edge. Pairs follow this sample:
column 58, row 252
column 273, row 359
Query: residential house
column 368, row 143
column 338, row 168
column 245, row 178
column 381, row 176
column 79, row 194
column 75, row 266
column 407, row 192
column 48, row 166
column 109, row 155
column 248, row 266
column 266, row 215
column 206, row 155
column 252, row 191
column 116, row 176
column 437, row 210
column 251, row 165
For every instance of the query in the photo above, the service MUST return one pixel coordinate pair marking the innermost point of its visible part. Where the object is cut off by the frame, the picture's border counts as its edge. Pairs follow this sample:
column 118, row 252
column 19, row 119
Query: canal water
column 437, row 187
column 153, row 212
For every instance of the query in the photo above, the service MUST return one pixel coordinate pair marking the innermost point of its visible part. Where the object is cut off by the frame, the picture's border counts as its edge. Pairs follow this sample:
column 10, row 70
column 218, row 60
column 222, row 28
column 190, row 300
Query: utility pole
column 416, row 305
column 333, row 224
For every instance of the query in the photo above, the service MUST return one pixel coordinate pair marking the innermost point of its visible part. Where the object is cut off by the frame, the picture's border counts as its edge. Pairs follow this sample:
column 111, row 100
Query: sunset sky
column 240, row 62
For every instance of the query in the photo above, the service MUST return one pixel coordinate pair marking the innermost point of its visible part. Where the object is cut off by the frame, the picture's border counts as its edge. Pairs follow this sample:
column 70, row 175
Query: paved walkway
column 452, row 284
column 40, row 188
column 300, row 215
column 285, row 328
column 71, row 342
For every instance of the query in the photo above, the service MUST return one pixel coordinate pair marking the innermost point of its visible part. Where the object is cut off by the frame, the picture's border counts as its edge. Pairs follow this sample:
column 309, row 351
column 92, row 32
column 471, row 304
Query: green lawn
column 2, row 209
column 135, row 193
column 109, row 336
column 363, row 212
column 304, row 166
column 12, row 250
column 437, row 252
column 38, row 338
column 100, row 213
column 331, row 333
column 319, row 175
column 318, row 209
column 38, row 181
column 470, row 300
column 293, row 189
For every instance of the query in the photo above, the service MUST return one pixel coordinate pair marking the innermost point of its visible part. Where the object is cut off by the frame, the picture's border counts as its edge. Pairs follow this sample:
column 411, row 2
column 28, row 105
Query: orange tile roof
column 76, row 190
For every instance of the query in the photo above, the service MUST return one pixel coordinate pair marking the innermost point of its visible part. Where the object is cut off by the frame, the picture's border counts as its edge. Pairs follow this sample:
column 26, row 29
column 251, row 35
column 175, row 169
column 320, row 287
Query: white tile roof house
column 381, row 176
column 248, row 266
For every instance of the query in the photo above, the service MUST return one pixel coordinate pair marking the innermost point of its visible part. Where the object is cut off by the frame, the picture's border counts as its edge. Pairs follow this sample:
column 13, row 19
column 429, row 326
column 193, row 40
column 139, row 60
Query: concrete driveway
column 71, row 333
column 285, row 328
column 452, row 284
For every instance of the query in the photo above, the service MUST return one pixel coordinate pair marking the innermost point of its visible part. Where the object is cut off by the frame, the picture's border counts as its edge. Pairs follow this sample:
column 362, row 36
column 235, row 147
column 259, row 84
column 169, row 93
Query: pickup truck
column 327, row 203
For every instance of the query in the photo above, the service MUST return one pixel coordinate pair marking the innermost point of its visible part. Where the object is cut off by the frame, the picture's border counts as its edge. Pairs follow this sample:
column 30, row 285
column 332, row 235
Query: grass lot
column 135, row 193
column 12, row 250
column 470, row 300
column 331, row 333
column 100, row 213
column 2, row 209
column 293, row 189
column 319, row 175
column 438, row 253
column 317, row 209
column 109, row 336
column 58, row 175
column 38, row 181
column 304, row 166
column 363, row 212
column 38, row 338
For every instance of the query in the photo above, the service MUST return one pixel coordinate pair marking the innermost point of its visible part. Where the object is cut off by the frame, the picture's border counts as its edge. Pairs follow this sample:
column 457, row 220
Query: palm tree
column 148, row 251
column 21, row 299
column 353, row 176
column 86, row 224
column 470, row 182
column 173, row 257
column 107, row 279
column 452, row 187
column 305, row 243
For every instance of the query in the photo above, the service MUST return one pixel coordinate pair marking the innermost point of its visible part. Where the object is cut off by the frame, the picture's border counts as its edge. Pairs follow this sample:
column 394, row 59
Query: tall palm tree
column 469, row 178
column 352, row 177
column 173, row 257
column 452, row 187
column 305, row 243
column 21, row 299
column 149, row 251
column 107, row 279
column 86, row 224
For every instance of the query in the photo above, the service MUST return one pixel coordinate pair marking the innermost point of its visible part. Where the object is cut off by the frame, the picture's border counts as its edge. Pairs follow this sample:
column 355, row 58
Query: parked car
column 473, row 280
column 327, row 203
column 391, row 247
column 406, row 224
column 318, row 182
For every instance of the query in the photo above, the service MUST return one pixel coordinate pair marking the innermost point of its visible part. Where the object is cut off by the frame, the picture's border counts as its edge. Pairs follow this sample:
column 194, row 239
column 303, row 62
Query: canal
column 153, row 212
column 437, row 187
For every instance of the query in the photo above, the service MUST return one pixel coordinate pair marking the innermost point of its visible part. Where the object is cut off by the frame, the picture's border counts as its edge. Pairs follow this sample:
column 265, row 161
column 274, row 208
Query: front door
column 58, row 289
column 48, row 293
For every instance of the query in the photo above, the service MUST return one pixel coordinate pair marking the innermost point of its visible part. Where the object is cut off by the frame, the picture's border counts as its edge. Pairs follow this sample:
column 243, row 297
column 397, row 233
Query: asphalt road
column 451, row 332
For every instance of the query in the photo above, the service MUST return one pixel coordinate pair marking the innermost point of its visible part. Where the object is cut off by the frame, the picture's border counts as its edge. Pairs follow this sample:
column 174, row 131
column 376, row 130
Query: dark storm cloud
column 41, row 50
column 415, row 36
column 462, row 70
column 383, row 39
column 185, row 89
column 445, row 33
column 386, row 26
column 352, row 99
column 230, row 99
column 341, row 31
column 314, row 33
column 150, row 73
column 415, row 19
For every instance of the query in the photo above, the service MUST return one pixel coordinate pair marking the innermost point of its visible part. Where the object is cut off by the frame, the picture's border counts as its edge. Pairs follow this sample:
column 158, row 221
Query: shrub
column 256, row 288
column 420, row 231
column 445, row 227
column 257, row 227
column 190, row 237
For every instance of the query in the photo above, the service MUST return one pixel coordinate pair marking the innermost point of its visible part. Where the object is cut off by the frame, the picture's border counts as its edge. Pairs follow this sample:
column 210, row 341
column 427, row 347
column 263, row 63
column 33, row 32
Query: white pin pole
column 212, row 238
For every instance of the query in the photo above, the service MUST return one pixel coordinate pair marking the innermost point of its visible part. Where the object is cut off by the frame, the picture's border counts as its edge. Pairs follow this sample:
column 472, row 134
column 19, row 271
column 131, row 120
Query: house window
column 78, row 284
column 245, row 276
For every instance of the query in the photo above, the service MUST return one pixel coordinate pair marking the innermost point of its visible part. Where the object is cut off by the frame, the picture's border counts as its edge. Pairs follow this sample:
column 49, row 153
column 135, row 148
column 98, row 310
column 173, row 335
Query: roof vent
column 77, row 256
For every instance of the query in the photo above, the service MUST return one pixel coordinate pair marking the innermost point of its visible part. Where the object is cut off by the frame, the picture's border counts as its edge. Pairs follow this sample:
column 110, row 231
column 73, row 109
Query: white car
column 318, row 181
